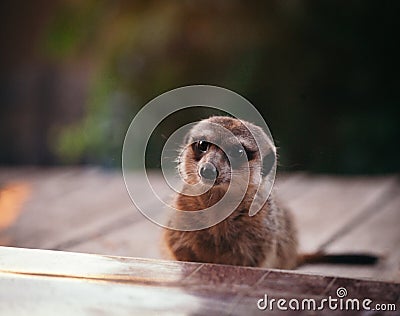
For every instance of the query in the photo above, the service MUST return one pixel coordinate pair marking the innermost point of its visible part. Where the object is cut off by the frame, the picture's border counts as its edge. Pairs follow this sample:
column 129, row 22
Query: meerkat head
column 218, row 147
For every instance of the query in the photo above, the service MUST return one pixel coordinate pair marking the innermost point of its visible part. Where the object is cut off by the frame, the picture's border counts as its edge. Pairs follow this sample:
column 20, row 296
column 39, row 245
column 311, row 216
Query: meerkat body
column 267, row 239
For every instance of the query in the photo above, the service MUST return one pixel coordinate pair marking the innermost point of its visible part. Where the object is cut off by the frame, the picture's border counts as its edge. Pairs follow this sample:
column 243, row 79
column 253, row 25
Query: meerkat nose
column 208, row 171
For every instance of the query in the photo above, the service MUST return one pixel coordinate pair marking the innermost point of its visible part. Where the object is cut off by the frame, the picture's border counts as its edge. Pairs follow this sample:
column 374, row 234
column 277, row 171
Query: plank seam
column 382, row 200
column 119, row 223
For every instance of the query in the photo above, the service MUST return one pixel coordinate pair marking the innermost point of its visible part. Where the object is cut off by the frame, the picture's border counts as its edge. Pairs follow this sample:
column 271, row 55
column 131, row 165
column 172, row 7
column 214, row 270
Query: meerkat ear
column 267, row 149
column 268, row 163
column 186, row 139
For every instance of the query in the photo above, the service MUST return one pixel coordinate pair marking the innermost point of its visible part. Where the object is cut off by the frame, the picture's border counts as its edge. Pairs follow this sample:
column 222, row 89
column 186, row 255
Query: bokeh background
column 324, row 74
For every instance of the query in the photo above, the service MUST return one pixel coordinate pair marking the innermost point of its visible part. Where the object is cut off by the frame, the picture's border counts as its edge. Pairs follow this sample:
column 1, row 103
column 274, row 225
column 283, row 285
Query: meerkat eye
column 201, row 146
column 237, row 152
column 250, row 154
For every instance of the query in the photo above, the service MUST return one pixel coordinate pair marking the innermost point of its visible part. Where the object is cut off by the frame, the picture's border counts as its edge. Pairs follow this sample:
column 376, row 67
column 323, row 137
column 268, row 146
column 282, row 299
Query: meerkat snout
column 208, row 171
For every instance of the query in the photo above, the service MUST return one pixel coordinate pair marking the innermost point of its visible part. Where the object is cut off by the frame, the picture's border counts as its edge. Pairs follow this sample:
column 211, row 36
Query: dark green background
column 324, row 74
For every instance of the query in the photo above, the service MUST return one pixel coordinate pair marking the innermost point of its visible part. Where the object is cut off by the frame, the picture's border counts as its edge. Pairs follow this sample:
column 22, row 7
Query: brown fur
column 268, row 239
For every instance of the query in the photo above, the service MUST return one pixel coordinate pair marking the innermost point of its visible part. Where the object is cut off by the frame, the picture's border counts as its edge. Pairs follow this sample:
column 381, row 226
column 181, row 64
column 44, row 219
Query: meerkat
column 269, row 238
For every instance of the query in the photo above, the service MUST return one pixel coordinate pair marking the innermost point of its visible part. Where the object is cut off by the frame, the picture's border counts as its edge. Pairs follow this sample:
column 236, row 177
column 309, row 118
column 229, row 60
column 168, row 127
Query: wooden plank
column 378, row 234
column 33, row 174
column 37, row 282
column 87, row 266
column 27, row 295
column 115, row 212
column 30, row 182
column 378, row 292
column 305, row 195
column 142, row 238
column 65, row 209
column 330, row 203
column 89, row 210
column 139, row 239
column 288, row 187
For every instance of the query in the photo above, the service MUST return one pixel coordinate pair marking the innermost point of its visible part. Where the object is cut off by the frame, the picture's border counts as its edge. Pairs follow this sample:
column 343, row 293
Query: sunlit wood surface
column 88, row 210
column 45, row 282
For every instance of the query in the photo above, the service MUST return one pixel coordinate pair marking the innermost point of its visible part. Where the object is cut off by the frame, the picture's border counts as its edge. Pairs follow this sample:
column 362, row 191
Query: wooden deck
column 88, row 210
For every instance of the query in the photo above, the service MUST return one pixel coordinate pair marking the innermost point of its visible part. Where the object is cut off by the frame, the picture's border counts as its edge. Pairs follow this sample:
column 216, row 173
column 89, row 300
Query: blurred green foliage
column 324, row 74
